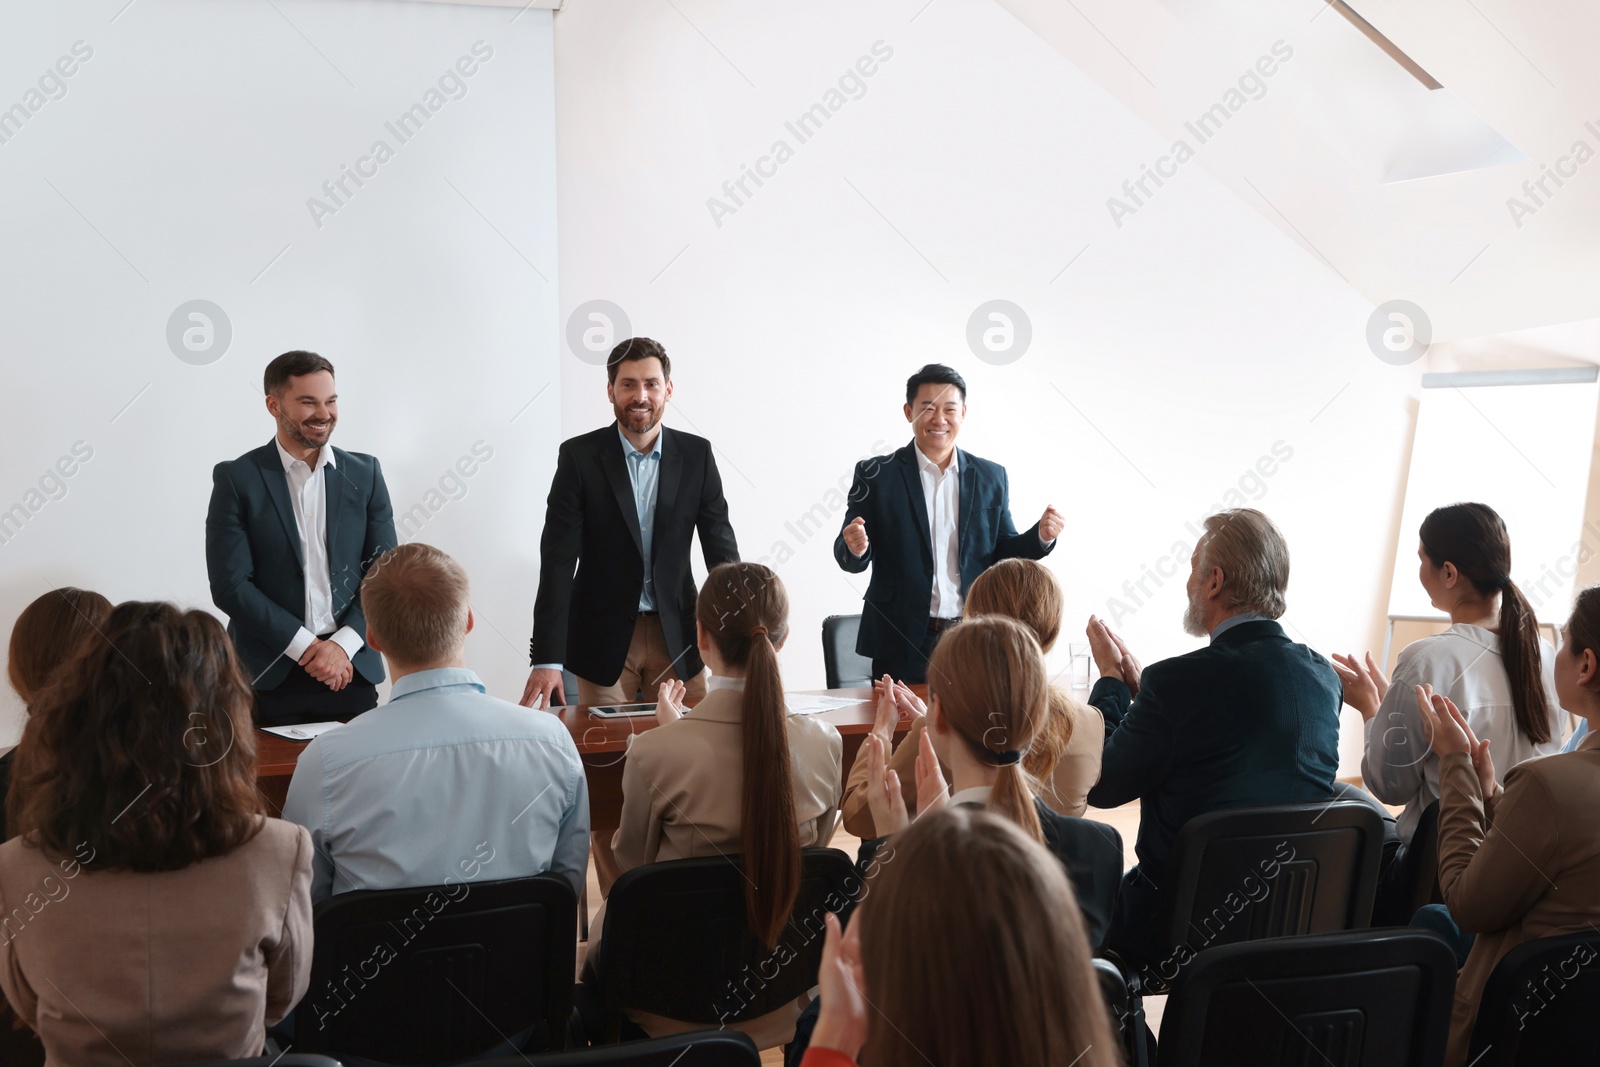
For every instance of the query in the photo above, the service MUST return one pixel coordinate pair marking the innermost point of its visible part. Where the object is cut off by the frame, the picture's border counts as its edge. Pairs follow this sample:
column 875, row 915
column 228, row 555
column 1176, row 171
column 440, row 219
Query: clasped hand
column 327, row 663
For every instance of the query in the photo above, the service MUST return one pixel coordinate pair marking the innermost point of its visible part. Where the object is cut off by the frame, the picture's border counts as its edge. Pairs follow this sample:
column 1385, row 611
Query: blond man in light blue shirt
column 443, row 784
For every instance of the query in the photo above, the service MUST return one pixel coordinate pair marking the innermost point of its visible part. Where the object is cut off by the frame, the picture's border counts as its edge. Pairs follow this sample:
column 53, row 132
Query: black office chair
column 441, row 973
column 676, row 942
column 1127, row 1013
column 697, row 1048
column 1361, row 998
column 1538, row 1006
column 843, row 665
column 1243, row 874
column 1422, row 863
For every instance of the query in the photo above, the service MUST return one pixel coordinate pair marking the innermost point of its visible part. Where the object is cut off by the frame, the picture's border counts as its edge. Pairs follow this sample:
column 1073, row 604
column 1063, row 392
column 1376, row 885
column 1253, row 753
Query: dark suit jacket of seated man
column 1251, row 719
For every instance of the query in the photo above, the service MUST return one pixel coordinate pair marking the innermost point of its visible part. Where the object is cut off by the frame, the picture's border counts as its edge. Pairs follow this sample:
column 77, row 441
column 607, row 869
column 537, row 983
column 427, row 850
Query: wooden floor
column 1125, row 819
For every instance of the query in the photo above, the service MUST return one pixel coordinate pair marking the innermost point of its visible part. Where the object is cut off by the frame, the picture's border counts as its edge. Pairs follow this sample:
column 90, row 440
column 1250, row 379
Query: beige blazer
column 1527, row 867
column 683, row 784
column 120, row 967
column 1066, row 791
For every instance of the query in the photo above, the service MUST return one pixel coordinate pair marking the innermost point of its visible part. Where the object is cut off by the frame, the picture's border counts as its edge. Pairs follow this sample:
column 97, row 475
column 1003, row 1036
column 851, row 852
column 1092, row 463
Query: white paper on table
column 811, row 705
column 301, row 731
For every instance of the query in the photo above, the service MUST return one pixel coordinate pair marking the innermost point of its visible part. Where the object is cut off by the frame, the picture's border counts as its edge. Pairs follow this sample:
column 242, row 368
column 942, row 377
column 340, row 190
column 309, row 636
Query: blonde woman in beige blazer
column 1522, row 862
column 150, row 912
column 737, row 774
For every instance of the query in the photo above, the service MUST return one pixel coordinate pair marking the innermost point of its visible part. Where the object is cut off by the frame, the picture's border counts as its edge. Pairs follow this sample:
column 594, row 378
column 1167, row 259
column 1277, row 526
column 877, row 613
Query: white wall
column 1166, row 361
column 177, row 166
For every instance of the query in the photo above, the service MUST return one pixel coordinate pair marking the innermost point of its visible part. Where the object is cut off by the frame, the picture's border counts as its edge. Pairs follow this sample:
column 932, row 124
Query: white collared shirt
column 308, row 493
column 941, row 491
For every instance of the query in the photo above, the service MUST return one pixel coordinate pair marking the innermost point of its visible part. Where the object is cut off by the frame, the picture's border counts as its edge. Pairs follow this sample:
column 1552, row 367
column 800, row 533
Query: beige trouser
column 646, row 667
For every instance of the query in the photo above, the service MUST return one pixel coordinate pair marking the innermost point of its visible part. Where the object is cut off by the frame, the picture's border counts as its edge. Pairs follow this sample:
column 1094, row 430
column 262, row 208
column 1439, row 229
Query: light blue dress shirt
column 644, row 474
column 1234, row 620
column 443, row 785
column 644, row 471
column 1577, row 736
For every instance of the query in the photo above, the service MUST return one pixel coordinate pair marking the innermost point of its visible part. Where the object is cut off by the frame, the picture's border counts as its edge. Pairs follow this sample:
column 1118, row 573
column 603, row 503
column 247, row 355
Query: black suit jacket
column 887, row 492
column 585, row 620
column 253, row 554
column 1092, row 854
column 1251, row 719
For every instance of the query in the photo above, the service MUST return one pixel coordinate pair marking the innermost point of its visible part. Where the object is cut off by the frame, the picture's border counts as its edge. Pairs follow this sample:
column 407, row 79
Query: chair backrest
column 1422, row 861
column 440, row 973
column 1538, row 1006
column 677, row 942
column 1126, row 1010
column 697, row 1048
column 1241, row 874
column 842, row 664
column 1361, row 998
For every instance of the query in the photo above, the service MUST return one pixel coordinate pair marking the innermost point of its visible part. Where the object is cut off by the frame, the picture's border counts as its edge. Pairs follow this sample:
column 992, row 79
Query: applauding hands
column 1364, row 684
column 1448, row 734
column 1111, row 657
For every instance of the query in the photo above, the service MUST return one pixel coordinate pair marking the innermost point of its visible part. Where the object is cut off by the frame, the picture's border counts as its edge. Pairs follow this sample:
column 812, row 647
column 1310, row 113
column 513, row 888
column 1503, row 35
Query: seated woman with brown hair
column 736, row 774
column 916, row 980
column 48, row 633
column 1064, row 759
column 150, row 912
column 988, row 704
column 1523, row 861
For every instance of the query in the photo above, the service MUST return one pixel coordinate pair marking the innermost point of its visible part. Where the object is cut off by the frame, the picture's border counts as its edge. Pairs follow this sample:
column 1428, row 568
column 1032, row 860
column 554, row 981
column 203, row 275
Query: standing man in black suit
column 623, row 510
column 291, row 530
column 928, row 519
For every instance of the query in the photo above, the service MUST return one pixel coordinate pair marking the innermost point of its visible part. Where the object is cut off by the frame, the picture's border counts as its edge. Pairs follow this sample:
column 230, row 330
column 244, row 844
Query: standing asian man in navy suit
column 928, row 519
column 292, row 528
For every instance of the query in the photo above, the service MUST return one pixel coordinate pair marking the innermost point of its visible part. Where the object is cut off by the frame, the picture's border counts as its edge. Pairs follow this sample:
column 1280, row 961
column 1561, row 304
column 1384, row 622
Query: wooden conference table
column 603, row 744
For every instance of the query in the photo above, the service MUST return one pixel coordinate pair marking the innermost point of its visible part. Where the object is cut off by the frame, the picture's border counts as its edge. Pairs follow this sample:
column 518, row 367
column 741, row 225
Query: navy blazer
column 887, row 492
column 253, row 554
column 1251, row 719
column 591, row 556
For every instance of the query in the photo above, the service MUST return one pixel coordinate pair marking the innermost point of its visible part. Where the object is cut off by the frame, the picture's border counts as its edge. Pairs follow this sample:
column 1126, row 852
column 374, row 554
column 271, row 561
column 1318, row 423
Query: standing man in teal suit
column 928, row 519
column 292, row 528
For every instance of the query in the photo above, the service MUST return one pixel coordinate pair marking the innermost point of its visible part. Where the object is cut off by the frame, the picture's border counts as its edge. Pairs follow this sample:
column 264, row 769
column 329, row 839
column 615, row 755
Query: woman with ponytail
column 1521, row 861
column 1491, row 663
column 988, row 706
column 737, row 773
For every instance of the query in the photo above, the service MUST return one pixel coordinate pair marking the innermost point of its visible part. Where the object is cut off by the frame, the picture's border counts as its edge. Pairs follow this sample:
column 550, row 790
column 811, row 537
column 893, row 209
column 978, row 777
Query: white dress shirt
column 1464, row 664
column 308, row 492
column 941, row 491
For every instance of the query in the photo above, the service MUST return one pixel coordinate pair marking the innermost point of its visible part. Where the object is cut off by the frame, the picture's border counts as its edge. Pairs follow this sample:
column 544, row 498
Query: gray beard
column 1193, row 621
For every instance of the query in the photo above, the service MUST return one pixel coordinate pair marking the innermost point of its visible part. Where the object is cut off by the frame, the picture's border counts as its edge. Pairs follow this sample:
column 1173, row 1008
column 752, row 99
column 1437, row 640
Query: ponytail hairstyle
column 1025, row 590
column 988, row 676
column 1474, row 539
column 745, row 612
column 1583, row 629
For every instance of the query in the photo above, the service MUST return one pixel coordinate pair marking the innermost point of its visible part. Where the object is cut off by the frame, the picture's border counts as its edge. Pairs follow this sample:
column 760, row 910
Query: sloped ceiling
column 1445, row 198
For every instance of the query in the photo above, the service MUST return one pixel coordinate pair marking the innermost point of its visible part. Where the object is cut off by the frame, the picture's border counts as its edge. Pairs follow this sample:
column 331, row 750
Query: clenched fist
column 855, row 536
column 1051, row 524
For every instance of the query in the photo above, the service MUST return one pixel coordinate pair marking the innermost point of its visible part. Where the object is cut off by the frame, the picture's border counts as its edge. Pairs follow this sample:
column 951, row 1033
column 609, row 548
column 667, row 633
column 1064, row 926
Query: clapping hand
column 1111, row 657
column 842, row 1017
column 1364, row 684
column 1448, row 734
column 669, row 701
column 884, row 798
column 932, row 790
